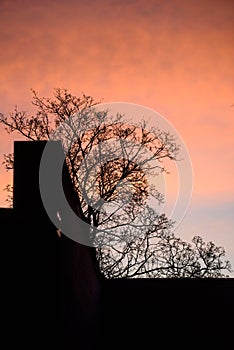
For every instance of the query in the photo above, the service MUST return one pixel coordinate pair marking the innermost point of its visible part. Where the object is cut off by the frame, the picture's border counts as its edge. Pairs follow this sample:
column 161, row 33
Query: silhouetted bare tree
column 110, row 180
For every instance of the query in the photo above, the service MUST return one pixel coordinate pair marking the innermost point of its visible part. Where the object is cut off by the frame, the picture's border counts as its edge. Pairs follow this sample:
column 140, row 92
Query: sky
column 175, row 57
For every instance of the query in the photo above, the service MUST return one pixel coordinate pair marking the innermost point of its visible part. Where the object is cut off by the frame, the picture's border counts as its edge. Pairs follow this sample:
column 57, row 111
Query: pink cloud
column 175, row 57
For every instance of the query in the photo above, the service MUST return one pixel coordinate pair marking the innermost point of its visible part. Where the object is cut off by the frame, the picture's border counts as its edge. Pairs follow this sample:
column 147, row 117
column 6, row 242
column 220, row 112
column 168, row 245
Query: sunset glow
column 175, row 57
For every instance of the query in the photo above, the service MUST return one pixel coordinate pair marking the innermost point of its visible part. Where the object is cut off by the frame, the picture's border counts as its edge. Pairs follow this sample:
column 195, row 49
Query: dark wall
column 143, row 313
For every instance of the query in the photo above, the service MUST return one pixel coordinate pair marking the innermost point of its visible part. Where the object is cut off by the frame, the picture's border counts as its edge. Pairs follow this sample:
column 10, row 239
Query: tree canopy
column 110, row 180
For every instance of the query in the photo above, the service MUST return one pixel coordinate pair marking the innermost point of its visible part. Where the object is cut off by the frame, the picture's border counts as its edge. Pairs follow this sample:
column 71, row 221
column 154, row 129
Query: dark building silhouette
column 54, row 284
column 55, row 297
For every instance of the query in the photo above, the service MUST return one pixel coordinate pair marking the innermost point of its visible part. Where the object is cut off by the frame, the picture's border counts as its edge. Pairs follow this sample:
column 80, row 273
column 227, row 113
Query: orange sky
column 174, row 56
